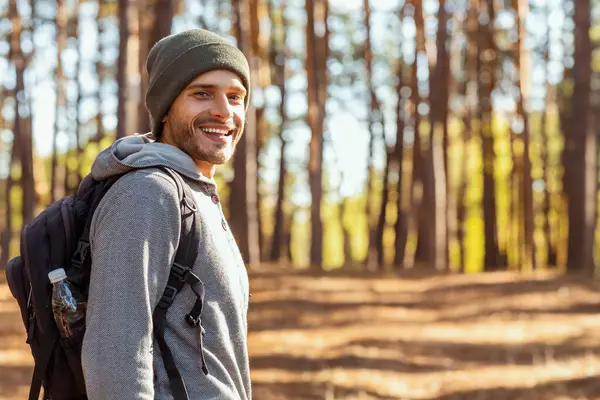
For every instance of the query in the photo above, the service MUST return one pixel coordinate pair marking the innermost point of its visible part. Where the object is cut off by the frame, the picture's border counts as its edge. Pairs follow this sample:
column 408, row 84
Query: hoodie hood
column 142, row 151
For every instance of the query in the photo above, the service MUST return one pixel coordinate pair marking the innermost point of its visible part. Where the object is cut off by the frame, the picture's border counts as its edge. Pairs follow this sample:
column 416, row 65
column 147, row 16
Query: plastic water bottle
column 68, row 306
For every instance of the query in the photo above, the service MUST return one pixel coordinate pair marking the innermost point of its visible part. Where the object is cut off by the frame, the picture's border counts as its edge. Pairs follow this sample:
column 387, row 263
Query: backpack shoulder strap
column 94, row 191
column 180, row 274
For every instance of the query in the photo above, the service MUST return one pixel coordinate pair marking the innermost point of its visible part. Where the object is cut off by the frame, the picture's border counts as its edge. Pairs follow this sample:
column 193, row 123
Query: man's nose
column 221, row 107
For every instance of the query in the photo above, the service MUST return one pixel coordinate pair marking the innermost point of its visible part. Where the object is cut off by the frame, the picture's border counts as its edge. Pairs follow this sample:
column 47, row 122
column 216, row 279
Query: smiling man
column 197, row 97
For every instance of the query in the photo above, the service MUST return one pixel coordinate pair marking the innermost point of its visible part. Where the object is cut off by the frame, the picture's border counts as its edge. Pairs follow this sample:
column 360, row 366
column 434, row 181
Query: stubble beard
column 185, row 136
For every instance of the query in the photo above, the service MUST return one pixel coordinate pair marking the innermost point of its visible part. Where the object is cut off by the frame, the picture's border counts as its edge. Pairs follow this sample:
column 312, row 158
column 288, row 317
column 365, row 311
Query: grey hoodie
column 134, row 236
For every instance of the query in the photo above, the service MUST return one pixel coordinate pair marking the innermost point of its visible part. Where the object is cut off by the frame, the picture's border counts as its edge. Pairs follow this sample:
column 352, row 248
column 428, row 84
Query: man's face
column 206, row 120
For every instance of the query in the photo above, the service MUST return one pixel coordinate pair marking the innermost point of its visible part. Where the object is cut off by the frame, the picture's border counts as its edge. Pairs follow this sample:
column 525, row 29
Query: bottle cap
column 57, row 275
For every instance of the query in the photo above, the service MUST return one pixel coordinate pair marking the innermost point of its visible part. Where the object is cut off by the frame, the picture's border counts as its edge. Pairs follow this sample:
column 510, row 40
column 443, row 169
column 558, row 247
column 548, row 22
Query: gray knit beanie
column 174, row 61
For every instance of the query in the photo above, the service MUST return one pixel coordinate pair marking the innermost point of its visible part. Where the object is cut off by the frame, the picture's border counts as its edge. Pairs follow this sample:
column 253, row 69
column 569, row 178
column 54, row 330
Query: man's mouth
column 218, row 131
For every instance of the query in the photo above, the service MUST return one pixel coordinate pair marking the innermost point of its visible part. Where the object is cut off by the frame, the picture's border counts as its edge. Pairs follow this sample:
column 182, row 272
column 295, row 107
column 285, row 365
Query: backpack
column 59, row 238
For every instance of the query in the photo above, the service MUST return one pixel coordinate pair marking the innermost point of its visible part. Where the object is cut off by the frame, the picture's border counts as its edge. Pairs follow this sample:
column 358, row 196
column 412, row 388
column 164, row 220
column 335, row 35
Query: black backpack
column 59, row 238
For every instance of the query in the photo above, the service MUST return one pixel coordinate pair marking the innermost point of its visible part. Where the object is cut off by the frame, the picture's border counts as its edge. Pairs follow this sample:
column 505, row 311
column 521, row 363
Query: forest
column 394, row 150
column 450, row 135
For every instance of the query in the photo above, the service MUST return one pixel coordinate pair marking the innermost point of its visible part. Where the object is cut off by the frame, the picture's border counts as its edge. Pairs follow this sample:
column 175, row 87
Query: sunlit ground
column 492, row 336
column 478, row 337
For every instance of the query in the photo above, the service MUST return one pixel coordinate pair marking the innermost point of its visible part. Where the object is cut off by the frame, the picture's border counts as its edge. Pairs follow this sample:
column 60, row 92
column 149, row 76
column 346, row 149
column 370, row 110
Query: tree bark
column 133, row 76
column 278, row 54
column 379, row 230
column 243, row 199
column 487, row 82
column 346, row 234
column 122, row 69
column 61, row 98
column 127, row 68
column 316, row 140
column 22, row 126
column 472, row 65
column 15, row 47
column 374, row 118
column 435, row 187
column 72, row 176
column 7, row 234
column 78, row 103
column 521, row 63
column 287, row 238
column 418, row 173
column 401, row 225
column 100, row 74
column 146, row 24
column 582, row 159
column 550, row 103
column 153, row 26
column 455, row 86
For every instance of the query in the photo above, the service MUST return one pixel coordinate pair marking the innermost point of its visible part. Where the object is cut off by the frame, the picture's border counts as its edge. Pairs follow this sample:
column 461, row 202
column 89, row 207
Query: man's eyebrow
column 195, row 86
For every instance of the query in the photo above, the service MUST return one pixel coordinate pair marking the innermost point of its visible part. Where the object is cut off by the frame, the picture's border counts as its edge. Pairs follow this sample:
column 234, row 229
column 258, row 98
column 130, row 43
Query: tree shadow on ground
column 277, row 313
column 581, row 388
column 571, row 309
column 529, row 354
column 312, row 391
column 305, row 364
column 12, row 379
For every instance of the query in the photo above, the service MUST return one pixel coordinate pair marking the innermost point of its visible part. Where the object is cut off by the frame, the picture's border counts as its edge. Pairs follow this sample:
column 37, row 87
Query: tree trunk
column 7, row 234
column 261, row 128
column 162, row 26
column 122, row 69
column 455, row 86
column 401, row 225
column 287, row 237
column 278, row 233
column 100, row 74
column 61, row 98
column 583, row 158
column 472, row 66
column 15, row 49
column 550, row 102
column 153, row 27
column 566, row 122
column 487, row 81
column 261, row 78
column 146, row 24
column 435, row 166
column 515, row 207
column 381, row 220
column 133, row 76
column 72, row 176
column 126, row 66
column 374, row 118
column 418, row 172
column 346, row 234
column 243, row 200
column 316, row 140
column 278, row 56
column 322, row 12
column 22, row 127
column 521, row 63
column 78, row 142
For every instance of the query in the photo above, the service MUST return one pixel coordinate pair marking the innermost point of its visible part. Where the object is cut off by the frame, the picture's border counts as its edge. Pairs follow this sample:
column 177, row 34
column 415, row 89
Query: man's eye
column 201, row 94
column 236, row 97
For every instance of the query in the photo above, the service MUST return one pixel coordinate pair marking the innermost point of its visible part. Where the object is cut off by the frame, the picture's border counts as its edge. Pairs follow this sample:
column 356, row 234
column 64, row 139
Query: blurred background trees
column 438, row 134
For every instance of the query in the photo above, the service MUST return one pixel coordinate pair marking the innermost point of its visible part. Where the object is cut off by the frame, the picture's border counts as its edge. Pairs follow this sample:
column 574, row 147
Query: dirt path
column 492, row 336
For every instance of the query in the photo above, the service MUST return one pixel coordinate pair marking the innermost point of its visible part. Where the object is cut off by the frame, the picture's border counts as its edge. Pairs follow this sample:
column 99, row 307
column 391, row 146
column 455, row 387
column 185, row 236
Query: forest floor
column 416, row 336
